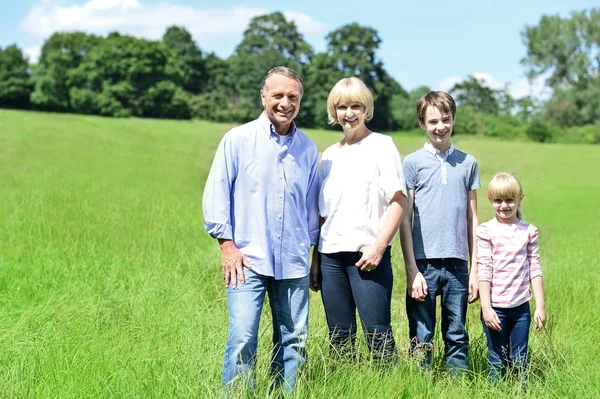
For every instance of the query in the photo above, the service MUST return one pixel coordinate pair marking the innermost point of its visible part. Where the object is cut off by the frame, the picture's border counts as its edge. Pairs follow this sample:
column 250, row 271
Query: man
column 261, row 203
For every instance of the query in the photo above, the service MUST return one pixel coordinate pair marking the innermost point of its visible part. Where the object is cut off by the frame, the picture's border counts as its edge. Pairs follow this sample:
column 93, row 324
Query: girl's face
column 506, row 209
column 350, row 115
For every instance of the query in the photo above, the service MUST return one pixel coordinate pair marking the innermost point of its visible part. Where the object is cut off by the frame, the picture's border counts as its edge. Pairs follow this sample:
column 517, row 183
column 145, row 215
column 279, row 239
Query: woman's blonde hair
column 349, row 90
column 505, row 185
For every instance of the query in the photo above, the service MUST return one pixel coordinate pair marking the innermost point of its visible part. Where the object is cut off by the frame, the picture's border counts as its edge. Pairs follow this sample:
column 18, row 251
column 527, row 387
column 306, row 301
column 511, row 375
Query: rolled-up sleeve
column 312, row 201
column 484, row 254
column 216, row 200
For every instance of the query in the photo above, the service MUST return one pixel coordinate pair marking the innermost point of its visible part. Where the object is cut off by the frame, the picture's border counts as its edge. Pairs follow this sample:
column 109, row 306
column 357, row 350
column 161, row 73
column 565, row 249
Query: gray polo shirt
column 440, row 203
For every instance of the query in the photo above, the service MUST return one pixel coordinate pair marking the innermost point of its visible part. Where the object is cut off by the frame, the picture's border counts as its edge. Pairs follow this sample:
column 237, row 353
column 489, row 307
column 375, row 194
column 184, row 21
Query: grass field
column 109, row 286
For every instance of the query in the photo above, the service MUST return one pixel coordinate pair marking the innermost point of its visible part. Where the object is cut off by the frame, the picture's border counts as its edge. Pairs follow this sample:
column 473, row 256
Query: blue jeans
column 289, row 307
column 344, row 289
column 508, row 347
column 448, row 278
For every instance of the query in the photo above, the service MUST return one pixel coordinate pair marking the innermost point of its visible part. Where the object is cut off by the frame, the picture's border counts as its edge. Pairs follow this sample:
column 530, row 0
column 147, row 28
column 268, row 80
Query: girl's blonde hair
column 349, row 90
column 505, row 185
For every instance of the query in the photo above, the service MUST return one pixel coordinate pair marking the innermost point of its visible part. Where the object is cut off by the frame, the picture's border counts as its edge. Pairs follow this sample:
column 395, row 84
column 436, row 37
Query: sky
column 433, row 43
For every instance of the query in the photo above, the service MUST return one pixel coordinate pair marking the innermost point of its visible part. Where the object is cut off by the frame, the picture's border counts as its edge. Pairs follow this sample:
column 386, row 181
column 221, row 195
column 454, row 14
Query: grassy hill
column 109, row 286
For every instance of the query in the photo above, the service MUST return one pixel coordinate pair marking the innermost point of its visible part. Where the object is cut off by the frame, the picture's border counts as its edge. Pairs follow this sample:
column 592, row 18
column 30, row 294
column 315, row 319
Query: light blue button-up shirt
column 262, row 192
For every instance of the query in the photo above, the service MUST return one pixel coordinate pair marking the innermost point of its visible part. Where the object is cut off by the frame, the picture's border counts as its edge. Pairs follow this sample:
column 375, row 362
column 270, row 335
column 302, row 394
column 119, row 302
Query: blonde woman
column 362, row 198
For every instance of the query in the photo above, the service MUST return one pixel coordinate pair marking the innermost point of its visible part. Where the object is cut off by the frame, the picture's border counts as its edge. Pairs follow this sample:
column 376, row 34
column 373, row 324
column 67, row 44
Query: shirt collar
column 269, row 128
column 431, row 149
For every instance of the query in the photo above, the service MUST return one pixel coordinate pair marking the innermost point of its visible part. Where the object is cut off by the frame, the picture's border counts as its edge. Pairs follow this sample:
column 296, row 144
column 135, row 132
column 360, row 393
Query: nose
column 440, row 126
column 285, row 101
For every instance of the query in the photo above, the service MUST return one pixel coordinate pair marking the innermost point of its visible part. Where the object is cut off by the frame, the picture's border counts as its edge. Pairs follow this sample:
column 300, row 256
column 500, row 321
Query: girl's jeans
column 508, row 348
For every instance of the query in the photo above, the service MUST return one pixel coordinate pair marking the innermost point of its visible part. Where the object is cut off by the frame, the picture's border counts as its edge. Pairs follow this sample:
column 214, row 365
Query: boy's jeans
column 508, row 348
column 344, row 289
column 289, row 307
column 448, row 278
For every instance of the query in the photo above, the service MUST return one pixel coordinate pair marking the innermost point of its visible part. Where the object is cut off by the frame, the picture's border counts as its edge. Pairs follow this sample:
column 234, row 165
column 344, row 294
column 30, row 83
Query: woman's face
column 350, row 115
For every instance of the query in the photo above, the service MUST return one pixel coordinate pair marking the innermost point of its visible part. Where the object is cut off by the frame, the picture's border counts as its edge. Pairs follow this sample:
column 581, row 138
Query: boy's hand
column 371, row 256
column 491, row 319
column 473, row 287
column 539, row 318
column 314, row 273
column 416, row 286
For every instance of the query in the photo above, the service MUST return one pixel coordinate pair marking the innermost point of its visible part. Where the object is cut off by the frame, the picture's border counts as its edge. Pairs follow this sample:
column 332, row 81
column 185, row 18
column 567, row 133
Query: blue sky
column 434, row 43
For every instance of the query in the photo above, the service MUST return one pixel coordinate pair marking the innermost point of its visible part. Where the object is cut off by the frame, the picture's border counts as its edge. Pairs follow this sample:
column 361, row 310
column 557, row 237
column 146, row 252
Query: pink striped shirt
column 508, row 257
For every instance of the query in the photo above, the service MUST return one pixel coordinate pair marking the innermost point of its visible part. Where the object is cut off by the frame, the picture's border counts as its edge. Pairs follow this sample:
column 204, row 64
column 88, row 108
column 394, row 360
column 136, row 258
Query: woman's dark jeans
column 344, row 289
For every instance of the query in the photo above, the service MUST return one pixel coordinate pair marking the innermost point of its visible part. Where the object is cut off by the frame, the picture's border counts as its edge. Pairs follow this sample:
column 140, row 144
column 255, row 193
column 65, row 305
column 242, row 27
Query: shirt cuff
column 219, row 230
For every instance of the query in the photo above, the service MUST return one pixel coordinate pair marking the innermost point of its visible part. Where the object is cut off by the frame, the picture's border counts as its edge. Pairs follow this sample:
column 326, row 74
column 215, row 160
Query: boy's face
column 439, row 128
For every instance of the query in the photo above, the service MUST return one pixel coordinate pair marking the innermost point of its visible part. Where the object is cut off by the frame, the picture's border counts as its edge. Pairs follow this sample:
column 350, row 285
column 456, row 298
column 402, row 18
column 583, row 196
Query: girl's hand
column 539, row 319
column 371, row 256
column 491, row 319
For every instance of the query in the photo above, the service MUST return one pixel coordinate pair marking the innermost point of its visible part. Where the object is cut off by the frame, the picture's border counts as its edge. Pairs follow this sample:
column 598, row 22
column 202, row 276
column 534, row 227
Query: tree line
column 120, row 76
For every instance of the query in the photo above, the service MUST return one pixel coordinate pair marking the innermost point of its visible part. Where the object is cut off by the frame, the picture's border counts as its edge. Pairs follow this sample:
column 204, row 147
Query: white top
column 357, row 183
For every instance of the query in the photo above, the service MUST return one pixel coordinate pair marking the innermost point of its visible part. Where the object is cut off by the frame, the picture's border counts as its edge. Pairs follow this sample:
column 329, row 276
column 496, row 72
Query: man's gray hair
column 285, row 71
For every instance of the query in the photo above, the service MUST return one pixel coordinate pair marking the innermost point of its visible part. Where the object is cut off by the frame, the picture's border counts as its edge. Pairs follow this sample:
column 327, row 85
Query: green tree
column 270, row 40
column 404, row 109
column 351, row 51
column 187, row 59
column 129, row 76
column 567, row 48
column 473, row 92
column 15, row 79
column 60, row 54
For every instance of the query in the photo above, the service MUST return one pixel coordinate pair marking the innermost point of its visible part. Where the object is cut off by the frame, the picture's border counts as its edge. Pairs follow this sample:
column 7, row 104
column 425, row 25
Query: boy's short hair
column 438, row 99
column 349, row 90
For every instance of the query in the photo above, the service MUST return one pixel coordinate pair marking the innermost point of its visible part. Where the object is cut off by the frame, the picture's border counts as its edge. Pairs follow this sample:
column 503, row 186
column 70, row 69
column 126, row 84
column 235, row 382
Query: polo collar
column 434, row 151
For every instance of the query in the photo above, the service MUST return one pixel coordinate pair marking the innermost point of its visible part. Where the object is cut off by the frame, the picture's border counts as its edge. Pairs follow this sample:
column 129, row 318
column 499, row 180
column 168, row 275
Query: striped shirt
column 508, row 257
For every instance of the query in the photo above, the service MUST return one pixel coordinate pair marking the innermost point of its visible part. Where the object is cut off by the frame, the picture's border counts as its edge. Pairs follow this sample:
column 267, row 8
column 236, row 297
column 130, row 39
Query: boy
column 441, row 182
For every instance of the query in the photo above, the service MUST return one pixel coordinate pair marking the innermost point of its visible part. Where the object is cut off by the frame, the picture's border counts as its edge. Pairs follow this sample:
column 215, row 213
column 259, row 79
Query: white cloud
column 150, row 20
column 33, row 53
column 517, row 89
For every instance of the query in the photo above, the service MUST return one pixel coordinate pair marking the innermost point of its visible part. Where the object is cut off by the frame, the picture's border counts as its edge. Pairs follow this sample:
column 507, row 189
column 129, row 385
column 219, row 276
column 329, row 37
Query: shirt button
column 278, row 216
column 280, row 176
column 280, row 196
column 278, row 236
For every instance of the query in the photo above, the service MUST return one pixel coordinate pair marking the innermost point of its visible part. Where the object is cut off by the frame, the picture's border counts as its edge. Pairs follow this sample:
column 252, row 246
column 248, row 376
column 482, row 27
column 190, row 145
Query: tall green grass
column 109, row 286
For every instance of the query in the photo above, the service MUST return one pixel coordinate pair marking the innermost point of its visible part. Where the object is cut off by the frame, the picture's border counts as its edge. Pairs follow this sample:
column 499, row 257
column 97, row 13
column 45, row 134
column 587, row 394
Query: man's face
column 439, row 127
column 281, row 98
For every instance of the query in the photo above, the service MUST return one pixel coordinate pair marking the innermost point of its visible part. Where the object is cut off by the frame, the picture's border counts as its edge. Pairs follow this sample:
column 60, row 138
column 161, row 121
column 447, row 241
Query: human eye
column 277, row 95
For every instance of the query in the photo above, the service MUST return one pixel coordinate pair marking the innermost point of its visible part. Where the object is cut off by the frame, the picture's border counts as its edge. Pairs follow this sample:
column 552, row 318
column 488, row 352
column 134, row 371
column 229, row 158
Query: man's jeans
column 508, row 348
column 448, row 278
column 344, row 289
column 289, row 307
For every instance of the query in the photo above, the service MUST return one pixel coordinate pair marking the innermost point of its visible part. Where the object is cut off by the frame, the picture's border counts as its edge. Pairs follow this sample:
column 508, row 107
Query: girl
column 361, row 201
column 508, row 260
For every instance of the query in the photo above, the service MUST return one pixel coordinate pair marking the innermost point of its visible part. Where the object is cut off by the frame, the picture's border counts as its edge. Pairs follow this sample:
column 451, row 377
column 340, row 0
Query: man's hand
column 371, row 256
column 314, row 273
column 416, row 285
column 490, row 318
column 232, row 261
column 539, row 318
column 473, row 287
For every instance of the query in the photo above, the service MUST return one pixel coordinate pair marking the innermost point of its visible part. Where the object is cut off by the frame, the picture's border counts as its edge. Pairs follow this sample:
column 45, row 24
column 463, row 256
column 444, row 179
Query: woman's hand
column 371, row 256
